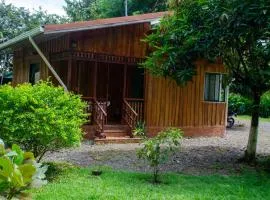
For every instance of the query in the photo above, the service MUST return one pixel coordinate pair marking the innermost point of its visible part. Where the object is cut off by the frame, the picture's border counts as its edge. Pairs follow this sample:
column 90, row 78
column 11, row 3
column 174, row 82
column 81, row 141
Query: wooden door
column 115, row 92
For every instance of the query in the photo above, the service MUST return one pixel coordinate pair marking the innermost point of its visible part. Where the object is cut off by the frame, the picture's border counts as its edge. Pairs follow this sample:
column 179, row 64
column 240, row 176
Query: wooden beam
column 125, row 81
column 95, row 80
column 69, row 75
column 47, row 63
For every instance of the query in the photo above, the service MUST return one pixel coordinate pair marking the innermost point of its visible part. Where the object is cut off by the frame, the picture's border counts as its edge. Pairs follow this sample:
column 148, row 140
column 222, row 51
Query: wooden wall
column 120, row 41
column 21, row 66
column 170, row 105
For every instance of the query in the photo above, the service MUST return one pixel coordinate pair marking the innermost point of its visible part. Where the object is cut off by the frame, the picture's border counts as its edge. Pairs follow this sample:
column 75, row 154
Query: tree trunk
column 250, row 154
column 155, row 174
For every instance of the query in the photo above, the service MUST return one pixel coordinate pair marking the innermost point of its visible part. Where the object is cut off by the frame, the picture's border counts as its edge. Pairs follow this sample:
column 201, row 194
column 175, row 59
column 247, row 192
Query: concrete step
column 117, row 140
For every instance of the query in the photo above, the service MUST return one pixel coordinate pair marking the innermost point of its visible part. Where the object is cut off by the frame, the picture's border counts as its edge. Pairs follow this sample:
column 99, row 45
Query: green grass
column 78, row 184
column 248, row 117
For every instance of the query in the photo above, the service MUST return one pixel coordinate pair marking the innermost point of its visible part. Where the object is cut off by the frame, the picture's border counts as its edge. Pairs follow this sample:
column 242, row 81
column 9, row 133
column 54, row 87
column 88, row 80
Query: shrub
column 239, row 104
column 139, row 129
column 265, row 105
column 157, row 150
column 19, row 171
column 41, row 117
column 242, row 105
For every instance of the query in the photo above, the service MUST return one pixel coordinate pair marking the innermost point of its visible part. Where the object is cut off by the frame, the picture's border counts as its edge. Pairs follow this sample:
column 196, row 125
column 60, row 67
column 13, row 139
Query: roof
column 53, row 29
column 103, row 23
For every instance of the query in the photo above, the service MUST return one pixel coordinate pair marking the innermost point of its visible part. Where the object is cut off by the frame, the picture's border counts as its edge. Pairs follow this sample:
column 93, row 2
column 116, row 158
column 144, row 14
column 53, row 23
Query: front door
column 110, row 85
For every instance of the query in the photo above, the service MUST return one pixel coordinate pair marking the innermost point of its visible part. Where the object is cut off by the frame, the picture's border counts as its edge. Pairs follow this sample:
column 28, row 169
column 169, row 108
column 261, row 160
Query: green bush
column 243, row 105
column 239, row 104
column 139, row 130
column 157, row 150
column 19, row 171
column 41, row 117
column 265, row 105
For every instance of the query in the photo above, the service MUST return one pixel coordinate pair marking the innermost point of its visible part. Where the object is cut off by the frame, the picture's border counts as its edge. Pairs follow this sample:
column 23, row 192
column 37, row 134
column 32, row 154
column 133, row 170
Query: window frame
column 225, row 89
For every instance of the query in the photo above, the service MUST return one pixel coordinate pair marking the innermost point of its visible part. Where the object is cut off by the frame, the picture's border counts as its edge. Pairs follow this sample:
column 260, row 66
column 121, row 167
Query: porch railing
column 99, row 115
column 138, row 107
column 133, row 111
column 97, row 112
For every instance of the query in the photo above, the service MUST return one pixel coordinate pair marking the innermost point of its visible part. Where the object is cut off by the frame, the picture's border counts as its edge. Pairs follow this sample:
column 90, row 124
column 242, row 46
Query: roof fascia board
column 24, row 36
column 100, row 26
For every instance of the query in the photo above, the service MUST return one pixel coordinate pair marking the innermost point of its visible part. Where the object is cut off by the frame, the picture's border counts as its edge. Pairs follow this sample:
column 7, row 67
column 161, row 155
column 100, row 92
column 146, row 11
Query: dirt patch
column 196, row 155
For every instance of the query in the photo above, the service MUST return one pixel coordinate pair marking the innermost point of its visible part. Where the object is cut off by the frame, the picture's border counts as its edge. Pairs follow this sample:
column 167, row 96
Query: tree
column 80, row 10
column 14, row 21
column 237, row 31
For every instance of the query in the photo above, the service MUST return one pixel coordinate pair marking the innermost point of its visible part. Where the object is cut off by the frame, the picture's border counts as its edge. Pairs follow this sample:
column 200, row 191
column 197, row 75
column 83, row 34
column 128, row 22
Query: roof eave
column 32, row 33
column 101, row 26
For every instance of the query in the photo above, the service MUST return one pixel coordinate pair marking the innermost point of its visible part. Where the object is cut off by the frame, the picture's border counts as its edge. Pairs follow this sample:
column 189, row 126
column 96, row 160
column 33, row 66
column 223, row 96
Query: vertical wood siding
column 170, row 105
column 120, row 41
column 166, row 104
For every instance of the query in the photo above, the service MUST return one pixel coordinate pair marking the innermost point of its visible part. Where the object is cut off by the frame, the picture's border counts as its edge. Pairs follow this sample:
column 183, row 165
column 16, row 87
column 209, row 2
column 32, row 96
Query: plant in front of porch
column 40, row 117
column 139, row 130
column 158, row 149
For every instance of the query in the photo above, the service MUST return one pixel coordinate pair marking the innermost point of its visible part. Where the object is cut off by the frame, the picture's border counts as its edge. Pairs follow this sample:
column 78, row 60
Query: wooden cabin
column 100, row 60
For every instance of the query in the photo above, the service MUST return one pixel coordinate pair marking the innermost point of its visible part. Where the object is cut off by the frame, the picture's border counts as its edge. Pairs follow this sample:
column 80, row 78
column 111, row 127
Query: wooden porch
column 112, row 86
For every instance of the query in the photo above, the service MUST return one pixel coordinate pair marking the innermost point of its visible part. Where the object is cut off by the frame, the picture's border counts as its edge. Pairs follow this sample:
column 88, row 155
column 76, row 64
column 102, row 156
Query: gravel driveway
column 196, row 155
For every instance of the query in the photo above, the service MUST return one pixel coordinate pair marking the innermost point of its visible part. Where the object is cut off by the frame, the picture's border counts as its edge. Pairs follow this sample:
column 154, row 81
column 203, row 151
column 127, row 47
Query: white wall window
column 214, row 87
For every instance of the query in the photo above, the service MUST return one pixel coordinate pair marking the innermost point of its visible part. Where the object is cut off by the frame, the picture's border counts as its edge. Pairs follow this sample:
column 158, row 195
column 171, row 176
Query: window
column 34, row 73
column 214, row 87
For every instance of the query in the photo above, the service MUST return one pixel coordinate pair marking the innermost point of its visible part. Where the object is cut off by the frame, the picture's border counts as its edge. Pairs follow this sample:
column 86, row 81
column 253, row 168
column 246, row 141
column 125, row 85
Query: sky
column 52, row 6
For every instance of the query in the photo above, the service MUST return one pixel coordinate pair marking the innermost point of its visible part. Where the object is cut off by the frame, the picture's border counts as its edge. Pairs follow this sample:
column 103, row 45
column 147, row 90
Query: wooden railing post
column 99, row 115
column 132, row 112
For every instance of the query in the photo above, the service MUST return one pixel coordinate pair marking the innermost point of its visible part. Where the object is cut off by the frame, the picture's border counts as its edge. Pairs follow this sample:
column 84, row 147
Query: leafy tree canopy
column 79, row 10
column 238, row 31
column 14, row 21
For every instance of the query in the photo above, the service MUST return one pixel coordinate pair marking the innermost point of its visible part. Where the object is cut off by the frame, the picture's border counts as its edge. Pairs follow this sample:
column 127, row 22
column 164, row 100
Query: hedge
column 242, row 105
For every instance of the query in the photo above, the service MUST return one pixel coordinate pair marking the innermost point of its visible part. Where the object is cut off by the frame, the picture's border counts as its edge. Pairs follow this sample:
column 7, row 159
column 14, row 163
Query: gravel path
column 196, row 155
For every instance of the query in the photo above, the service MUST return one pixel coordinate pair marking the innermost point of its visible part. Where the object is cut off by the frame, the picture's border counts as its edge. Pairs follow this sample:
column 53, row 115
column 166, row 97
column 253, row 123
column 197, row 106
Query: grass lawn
column 78, row 184
column 248, row 117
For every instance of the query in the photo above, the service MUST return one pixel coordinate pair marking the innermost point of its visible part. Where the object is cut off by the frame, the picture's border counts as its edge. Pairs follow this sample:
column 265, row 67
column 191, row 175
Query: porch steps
column 117, row 134
column 117, row 140
column 111, row 131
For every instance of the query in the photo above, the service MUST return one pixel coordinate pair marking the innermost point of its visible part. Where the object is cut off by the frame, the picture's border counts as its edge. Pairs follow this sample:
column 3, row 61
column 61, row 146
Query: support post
column 69, row 76
column 125, row 81
column 47, row 63
column 95, row 80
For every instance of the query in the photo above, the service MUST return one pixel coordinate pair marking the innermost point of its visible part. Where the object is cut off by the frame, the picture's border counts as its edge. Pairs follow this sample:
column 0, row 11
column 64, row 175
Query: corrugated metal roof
column 85, row 25
column 22, row 37
column 102, row 23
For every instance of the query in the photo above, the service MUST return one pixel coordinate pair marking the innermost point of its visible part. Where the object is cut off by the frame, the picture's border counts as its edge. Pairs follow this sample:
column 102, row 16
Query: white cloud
column 51, row 6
